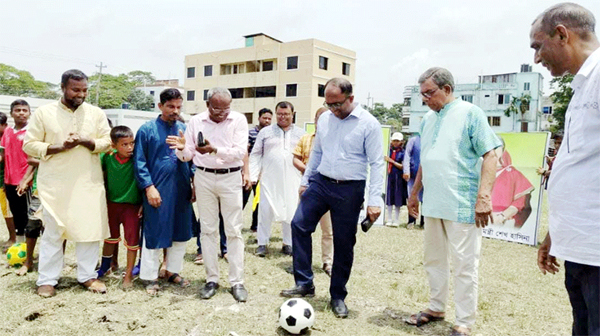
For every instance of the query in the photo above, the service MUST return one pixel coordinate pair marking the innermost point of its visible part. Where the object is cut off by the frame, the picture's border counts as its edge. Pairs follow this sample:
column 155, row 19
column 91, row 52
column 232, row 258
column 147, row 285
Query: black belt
column 339, row 181
column 220, row 170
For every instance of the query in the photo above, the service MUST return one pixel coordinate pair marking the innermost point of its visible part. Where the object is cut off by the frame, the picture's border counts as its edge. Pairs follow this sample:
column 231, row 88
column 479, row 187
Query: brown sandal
column 95, row 286
column 422, row 318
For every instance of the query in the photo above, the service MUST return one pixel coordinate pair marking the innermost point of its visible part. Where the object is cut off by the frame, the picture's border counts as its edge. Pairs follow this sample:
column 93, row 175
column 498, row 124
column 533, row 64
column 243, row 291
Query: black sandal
column 422, row 318
column 182, row 281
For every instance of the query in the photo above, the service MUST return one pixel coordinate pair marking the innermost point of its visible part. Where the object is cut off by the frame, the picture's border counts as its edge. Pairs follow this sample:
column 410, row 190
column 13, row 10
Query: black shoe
column 286, row 249
column 209, row 290
column 261, row 251
column 327, row 269
column 240, row 294
column 339, row 308
column 299, row 291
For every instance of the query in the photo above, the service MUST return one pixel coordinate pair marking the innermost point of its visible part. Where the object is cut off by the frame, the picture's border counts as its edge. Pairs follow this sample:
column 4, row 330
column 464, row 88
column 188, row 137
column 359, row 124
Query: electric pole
column 101, row 66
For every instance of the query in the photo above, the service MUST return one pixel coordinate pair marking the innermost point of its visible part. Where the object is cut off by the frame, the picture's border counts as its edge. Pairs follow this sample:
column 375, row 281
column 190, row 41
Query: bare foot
column 23, row 270
column 127, row 282
column 152, row 288
column 162, row 273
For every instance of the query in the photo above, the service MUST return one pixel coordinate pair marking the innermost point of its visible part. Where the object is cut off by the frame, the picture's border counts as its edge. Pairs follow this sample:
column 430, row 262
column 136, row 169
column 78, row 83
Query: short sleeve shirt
column 304, row 146
column 121, row 186
column 453, row 141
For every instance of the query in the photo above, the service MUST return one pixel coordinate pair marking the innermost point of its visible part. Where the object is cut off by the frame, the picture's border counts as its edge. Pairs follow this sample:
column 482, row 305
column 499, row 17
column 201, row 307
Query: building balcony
column 251, row 79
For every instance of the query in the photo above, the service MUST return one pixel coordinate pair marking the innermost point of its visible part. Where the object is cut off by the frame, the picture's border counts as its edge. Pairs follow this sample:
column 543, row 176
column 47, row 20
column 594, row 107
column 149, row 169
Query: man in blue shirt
column 455, row 135
column 348, row 140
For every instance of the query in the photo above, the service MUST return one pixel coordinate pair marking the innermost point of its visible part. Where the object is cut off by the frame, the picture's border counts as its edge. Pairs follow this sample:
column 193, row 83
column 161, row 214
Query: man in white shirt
column 564, row 42
column 218, row 181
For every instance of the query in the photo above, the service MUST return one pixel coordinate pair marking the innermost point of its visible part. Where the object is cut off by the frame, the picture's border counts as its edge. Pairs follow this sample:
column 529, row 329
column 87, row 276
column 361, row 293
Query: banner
column 517, row 193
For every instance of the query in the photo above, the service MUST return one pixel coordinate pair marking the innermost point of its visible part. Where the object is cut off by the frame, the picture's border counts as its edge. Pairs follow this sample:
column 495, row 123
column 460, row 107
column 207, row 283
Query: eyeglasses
column 220, row 110
column 429, row 93
column 335, row 105
column 283, row 114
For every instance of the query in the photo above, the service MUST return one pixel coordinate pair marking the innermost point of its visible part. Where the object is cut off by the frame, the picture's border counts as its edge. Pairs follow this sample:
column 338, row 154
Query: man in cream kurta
column 67, row 136
column 272, row 159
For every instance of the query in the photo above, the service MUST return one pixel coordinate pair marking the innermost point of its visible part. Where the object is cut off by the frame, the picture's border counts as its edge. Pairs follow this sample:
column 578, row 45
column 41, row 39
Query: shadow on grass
column 396, row 319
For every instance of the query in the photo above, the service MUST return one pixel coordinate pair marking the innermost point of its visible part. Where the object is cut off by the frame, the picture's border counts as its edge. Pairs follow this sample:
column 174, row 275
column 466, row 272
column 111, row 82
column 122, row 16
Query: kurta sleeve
column 407, row 157
column 140, row 154
column 34, row 144
column 256, row 156
column 102, row 141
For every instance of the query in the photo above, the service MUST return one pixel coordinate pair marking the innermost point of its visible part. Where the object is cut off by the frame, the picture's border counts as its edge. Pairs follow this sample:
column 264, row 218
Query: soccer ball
column 296, row 316
column 17, row 254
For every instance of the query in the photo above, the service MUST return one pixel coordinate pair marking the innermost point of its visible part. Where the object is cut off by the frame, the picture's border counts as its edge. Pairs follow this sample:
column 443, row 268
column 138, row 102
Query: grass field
column 387, row 284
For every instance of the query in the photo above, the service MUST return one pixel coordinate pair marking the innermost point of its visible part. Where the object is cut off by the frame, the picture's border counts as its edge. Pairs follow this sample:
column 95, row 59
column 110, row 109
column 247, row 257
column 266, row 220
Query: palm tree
column 519, row 105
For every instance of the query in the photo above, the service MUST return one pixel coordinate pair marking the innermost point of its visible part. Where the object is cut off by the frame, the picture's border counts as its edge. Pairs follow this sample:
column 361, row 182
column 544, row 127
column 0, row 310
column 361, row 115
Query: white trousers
column 326, row 239
column 444, row 238
column 52, row 256
column 150, row 260
column 265, row 218
column 224, row 191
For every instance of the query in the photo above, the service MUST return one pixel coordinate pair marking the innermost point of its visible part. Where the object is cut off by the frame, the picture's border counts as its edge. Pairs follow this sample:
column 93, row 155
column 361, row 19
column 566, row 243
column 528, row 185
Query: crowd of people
column 69, row 174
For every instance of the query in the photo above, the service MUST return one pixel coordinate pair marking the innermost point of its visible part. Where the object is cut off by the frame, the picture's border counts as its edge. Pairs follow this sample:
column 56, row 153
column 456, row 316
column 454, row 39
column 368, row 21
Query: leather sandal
column 95, row 286
column 422, row 318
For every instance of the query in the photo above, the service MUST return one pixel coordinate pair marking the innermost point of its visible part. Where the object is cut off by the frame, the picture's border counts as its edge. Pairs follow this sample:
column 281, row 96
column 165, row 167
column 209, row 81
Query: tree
column 519, row 105
column 560, row 100
column 387, row 116
column 116, row 90
column 15, row 82
column 140, row 100
column 141, row 78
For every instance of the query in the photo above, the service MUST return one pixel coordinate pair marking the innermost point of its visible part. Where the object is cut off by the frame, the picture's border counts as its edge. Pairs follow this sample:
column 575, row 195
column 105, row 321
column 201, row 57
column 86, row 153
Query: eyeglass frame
column 429, row 93
column 335, row 105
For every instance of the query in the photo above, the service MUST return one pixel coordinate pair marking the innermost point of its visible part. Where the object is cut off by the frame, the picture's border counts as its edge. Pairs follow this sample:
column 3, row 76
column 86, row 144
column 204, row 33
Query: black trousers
column 583, row 286
column 19, row 206
column 246, row 196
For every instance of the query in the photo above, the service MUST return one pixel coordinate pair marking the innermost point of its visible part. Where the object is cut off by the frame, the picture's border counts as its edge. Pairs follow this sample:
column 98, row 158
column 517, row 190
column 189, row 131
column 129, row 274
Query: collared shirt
column 574, row 186
column 453, row 141
column 304, row 147
column 343, row 148
column 229, row 137
column 252, row 134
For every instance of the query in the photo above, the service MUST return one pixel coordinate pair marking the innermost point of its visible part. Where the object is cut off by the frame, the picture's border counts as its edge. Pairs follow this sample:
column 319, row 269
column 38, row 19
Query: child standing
column 123, row 199
column 34, row 226
column 397, row 192
column 10, row 225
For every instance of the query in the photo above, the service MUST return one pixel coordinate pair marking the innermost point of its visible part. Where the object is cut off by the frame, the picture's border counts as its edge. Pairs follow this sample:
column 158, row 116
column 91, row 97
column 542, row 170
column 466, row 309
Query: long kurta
column 273, row 161
column 70, row 184
column 156, row 164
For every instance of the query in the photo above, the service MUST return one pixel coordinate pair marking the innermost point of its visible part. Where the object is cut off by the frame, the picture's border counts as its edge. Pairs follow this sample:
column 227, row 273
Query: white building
column 157, row 87
column 493, row 94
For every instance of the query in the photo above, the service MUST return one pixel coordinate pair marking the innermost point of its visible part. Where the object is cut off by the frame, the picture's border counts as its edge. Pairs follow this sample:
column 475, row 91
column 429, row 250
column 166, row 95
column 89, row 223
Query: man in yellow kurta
column 68, row 135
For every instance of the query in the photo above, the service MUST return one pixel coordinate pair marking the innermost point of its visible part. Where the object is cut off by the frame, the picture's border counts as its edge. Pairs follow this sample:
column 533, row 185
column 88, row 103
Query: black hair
column 169, row 94
column 119, row 132
column 3, row 118
column 73, row 74
column 285, row 104
column 263, row 111
column 18, row 102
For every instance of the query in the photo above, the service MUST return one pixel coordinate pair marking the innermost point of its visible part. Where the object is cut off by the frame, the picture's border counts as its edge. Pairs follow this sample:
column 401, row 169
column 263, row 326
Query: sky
column 395, row 41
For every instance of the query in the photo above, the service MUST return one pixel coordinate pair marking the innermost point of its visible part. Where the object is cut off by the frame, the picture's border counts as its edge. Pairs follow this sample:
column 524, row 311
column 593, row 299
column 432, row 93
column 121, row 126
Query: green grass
column 387, row 284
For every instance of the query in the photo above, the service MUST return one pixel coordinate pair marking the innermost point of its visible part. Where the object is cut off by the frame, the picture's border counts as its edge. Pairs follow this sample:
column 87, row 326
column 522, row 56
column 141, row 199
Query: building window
column 290, row 90
column 267, row 66
column 345, row 69
column 321, row 90
column 292, row 62
column 152, row 93
column 207, row 70
column 266, row 91
column 526, row 86
column 423, row 103
column 191, row 95
column 467, row 98
column 547, row 109
column 237, row 93
column 405, row 121
column 191, row 72
column 248, row 116
column 503, row 99
column 494, row 121
column 323, row 62
column 152, row 105
column 205, row 95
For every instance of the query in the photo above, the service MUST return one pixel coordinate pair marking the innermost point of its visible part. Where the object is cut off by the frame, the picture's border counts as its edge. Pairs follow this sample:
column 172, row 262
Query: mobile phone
column 200, row 142
column 366, row 224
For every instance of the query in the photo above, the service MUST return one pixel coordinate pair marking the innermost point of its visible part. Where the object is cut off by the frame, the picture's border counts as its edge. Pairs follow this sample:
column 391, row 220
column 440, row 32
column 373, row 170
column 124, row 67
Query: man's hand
column 545, row 261
column 246, row 183
column 72, row 141
column 176, row 142
column 483, row 210
column 153, row 196
column 207, row 149
column 373, row 212
column 141, row 211
column 413, row 206
column 406, row 177
column 302, row 190
column 193, row 198
column 22, row 187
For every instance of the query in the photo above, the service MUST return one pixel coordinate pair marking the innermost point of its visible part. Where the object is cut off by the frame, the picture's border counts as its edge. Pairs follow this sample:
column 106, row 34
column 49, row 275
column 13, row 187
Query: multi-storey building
column 493, row 94
column 157, row 87
column 267, row 71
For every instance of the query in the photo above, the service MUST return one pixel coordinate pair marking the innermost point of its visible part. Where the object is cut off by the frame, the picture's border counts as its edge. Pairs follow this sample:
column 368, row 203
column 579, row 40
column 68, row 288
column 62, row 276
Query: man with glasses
column 219, row 161
column 348, row 140
column 457, row 196
column 272, row 160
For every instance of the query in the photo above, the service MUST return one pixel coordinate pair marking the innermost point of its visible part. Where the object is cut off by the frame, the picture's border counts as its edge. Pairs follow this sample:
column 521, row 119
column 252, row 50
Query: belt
column 339, row 181
column 220, row 170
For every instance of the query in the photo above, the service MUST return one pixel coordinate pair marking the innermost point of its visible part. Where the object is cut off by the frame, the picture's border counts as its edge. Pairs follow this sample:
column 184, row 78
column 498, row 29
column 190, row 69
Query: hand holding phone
column 366, row 224
column 200, row 142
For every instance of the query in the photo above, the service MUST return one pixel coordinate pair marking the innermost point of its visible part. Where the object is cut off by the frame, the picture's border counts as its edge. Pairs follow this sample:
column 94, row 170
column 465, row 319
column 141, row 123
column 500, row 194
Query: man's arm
column 374, row 150
column 240, row 143
column 545, row 261
column 314, row 161
column 413, row 199
column 298, row 164
column 483, row 206
column 142, row 173
column 185, row 145
column 407, row 158
column 256, row 157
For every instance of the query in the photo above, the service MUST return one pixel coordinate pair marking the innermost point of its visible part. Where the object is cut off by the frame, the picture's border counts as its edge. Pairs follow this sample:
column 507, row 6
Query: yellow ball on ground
column 17, row 254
